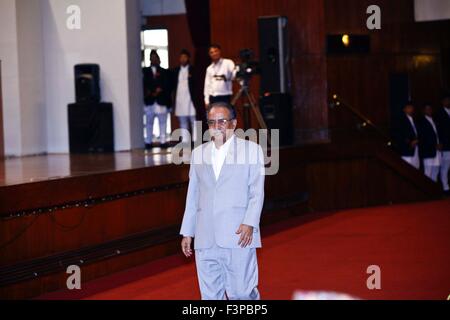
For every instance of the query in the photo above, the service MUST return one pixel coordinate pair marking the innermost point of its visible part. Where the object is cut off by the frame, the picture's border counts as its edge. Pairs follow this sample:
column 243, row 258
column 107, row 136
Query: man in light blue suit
column 223, row 209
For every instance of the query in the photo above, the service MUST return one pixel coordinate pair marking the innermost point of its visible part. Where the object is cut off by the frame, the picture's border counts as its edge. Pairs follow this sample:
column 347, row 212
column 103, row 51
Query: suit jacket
column 443, row 124
column 427, row 139
column 176, row 73
column 161, row 80
column 215, row 209
column 403, row 134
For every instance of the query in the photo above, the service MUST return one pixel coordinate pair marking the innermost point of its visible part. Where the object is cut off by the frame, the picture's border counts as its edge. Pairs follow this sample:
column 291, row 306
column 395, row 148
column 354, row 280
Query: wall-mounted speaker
column 273, row 54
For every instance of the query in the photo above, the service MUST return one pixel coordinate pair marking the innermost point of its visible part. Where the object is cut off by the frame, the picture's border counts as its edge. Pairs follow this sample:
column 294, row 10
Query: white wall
column 38, row 54
column 22, row 77
column 31, row 77
column 10, row 77
column 102, row 39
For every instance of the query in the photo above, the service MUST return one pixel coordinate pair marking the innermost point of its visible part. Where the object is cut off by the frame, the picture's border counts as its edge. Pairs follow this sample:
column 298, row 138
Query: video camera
column 248, row 66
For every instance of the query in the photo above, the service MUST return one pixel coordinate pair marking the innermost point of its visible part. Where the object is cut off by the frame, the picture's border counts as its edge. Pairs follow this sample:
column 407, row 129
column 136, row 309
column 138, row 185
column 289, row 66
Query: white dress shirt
column 218, row 156
column 214, row 86
column 184, row 106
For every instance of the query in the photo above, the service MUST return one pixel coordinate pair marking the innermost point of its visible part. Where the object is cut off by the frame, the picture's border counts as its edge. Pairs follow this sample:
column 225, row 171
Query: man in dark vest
column 443, row 123
column 405, row 136
column 157, row 99
column 429, row 143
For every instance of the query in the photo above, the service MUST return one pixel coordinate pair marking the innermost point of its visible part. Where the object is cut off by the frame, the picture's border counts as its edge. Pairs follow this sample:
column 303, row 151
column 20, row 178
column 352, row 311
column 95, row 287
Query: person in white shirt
column 429, row 143
column 219, row 77
column 184, row 93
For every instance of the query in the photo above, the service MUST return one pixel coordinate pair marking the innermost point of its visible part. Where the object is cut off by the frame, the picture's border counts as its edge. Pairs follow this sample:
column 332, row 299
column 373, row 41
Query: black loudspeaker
column 91, row 127
column 273, row 52
column 276, row 109
column 87, row 83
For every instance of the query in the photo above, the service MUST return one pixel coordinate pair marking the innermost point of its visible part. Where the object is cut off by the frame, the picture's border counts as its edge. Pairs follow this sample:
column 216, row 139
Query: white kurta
column 414, row 160
column 436, row 161
column 184, row 106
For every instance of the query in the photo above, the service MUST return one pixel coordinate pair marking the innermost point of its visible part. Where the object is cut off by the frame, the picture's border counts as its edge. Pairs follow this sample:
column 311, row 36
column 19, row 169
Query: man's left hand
column 246, row 233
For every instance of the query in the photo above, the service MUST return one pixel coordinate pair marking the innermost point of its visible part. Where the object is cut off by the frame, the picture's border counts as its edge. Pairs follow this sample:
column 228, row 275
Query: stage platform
column 110, row 212
column 20, row 170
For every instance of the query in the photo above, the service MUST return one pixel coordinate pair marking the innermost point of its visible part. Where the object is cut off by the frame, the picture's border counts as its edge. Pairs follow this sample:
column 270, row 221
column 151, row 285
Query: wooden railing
column 364, row 121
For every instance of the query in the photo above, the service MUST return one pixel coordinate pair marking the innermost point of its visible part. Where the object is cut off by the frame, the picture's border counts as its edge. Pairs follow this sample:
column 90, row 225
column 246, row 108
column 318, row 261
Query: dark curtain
column 198, row 17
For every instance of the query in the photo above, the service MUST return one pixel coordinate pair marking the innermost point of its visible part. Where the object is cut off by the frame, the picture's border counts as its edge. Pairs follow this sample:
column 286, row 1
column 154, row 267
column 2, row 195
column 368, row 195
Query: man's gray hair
column 222, row 105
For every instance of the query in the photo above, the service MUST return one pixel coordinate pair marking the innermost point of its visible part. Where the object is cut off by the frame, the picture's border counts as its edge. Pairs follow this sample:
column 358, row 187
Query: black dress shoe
column 149, row 146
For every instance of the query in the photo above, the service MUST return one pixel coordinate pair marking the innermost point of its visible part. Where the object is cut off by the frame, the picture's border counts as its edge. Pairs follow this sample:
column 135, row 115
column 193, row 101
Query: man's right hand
column 186, row 246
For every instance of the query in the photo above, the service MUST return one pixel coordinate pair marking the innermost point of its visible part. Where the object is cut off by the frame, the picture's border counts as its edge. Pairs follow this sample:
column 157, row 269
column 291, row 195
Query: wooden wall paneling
column 80, row 227
column 401, row 46
column 308, row 63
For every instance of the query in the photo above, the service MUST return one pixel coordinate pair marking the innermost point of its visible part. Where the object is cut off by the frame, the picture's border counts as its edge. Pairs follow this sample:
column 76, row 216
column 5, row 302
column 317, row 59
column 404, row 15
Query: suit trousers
column 161, row 112
column 233, row 272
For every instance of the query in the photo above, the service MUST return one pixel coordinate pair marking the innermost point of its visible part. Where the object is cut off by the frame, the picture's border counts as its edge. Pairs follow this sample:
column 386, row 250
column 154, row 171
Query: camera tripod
column 244, row 91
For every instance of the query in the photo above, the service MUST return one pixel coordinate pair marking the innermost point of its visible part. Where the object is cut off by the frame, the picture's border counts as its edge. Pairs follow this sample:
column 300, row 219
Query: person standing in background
column 406, row 136
column 219, row 77
column 157, row 99
column 183, row 84
column 443, row 124
column 429, row 143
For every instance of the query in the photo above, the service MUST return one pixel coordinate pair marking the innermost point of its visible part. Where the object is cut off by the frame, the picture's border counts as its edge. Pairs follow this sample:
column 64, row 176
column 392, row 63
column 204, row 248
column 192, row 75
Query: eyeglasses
column 220, row 122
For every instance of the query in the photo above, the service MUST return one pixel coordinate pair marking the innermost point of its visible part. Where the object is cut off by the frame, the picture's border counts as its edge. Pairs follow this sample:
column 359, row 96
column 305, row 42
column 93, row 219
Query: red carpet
column 410, row 243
